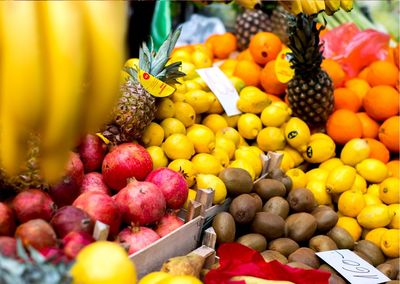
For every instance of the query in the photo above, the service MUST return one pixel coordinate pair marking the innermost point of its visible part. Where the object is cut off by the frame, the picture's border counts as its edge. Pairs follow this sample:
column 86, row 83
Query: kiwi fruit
column 287, row 181
column 270, row 225
column 306, row 256
column 341, row 237
column 254, row 241
column 259, row 202
column 237, row 181
column 301, row 200
column 285, row 246
column 336, row 279
column 270, row 255
column 370, row 249
column 300, row 226
column 301, row 265
column 225, row 227
column 363, row 256
column 276, row 173
column 395, row 262
column 388, row 269
column 277, row 205
column 326, row 218
column 267, row 188
column 243, row 208
column 327, row 268
column 322, row 243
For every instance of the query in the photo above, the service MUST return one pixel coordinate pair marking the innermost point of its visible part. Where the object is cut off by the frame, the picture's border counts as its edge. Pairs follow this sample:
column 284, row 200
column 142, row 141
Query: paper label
column 155, row 87
column 283, row 71
column 222, row 87
column 352, row 267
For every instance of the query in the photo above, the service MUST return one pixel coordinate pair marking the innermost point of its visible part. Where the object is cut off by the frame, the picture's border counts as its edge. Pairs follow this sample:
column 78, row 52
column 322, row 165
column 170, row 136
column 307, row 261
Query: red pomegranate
column 92, row 151
column 74, row 242
column 126, row 161
column 140, row 202
column 168, row 223
column 36, row 233
column 94, row 182
column 56, row 255
column 33, row 204
column 172, row 184
column 65, row 192
column 71, row 219
column 137, row 238
column 100, row 207
column 8, row 246
column 7, row 220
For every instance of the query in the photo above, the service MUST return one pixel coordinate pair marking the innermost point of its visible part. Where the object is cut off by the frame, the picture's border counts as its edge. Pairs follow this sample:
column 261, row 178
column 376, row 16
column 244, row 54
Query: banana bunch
column 59, row 76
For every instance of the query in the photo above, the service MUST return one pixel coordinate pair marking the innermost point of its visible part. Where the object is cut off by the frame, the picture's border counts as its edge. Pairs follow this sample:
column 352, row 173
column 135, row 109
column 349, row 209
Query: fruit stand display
column 247, row 158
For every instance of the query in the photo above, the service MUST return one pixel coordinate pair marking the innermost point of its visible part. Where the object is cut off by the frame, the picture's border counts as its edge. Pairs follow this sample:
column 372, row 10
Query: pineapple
column 136, row 107
column 279, row 23
column 310, row 91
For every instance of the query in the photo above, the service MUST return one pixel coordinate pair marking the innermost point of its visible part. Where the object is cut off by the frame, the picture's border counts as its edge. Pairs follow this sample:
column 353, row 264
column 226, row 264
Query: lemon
column 274, row 115
column 172, row 126
column 201, row 59
column 242, row 164
column 180, row 55
column 351, row 202
column 215, row 122
column 317, row 187
column 317, row 174
column 206, row 164
column 243, row 142
column 166, row 109
column 255, row 149
column 191, row 197
column 153, row 135
column 287, row 161
column 215, row 183
column 216, row 106
column 154, row 277
column 319, row 135
column 225, row 144
column 200, row 100
column 181, row 279
column 373, row 189
column 341, row 179
column 179, row 94
column 249, row 125
column 394, row 210
column 374, row 216
column 330, row 164
column 390, row 243
column 253, row 159
column 178, row 146
column 202, row 138
column 271, row 139
column 319, row 150
column 297, row 133
column 297, row 157
column 298, row 177
column 188, row 68
column 185, row 113
column 375, row 235
column 238, row 83
column 103, row 262
column 191, row 85
column 132, row 63
column 157, row 156
column 371, row 199
column 354, row 151
column 389, row 190
column 222, row 156
column 229, row 133
column 350, row 225
column 186, row 168
column 252, row 100
column 231, row 120
column 360, row 184
column 202, row 83
column 373, row 170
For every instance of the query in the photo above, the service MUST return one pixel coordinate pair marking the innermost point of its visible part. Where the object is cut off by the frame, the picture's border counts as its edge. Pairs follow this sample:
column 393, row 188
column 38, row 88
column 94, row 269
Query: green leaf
column 21, row 252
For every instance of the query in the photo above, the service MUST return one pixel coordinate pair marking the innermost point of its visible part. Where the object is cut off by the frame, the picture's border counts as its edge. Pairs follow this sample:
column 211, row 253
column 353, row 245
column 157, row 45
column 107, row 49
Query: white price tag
column 352, row 267
column 222, row 87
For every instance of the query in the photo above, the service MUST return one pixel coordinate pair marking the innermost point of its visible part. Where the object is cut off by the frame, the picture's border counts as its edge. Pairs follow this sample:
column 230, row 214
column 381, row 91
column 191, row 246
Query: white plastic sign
column 222, row 87
column 352, row 267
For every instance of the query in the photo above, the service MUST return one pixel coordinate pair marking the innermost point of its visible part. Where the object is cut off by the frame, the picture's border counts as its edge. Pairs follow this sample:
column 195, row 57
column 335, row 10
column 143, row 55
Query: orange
column 343, row 125
column 369, row 126
column 377, row 150
column 347, row 99
column 363, row 73
column 245, row 55
column 264, row 47
column 381, row 102
column 221, row 44
column 248, row 71
column 269, row 81
column 274, row 98
column 334, row 71
column 383, row 73
column 358, row 86
column 394, row 168
column 389, row 133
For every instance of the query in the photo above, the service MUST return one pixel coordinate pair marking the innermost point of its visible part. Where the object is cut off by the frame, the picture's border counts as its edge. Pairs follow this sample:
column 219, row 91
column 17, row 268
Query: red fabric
column 239, row 260
column 355, row 49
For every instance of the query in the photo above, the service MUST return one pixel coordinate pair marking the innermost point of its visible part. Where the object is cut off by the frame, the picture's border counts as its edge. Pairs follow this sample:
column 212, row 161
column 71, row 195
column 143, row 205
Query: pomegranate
column 7, row 220
column 65, row 192
column 71, row 219
column 137, row 238
column 140, row 202
column 36, row 233
column 168, row 223
column 172, row 184
column 92, row 151
column 125, row 161
column 100, row 207
column 56, row 255
column 8, row 246
column 94, row 182
column 74, row 242
column 33, row 204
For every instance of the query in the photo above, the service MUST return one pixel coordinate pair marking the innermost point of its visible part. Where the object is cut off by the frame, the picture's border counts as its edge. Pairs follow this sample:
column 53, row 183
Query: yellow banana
column 331, row 6
column 320, row 5
column 256, row 280
column 293, row 6
column 106, row 26
column 346, row 5
column 248, row 4
column 309, row 7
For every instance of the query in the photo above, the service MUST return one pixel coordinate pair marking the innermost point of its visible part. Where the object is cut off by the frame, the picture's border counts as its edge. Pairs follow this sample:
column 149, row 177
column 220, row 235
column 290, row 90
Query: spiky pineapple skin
column 248, row 24
column 279, row 23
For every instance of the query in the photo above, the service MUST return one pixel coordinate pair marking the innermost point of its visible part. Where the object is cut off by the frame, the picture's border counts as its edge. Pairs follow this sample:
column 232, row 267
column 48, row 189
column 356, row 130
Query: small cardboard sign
column 222, row 87
column 352, row 267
